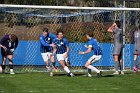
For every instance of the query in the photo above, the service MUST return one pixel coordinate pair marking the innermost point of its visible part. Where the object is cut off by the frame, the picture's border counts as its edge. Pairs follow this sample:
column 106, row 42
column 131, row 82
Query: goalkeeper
column 8, row 44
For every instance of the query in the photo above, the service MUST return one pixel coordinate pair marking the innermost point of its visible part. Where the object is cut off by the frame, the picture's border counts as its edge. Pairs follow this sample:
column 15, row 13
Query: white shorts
column 62, row 57
column 46, row 56
column 94, row 58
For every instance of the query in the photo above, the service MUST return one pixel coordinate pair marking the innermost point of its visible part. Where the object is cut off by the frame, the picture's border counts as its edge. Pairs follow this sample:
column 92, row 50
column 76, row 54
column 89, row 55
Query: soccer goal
column 27, row 21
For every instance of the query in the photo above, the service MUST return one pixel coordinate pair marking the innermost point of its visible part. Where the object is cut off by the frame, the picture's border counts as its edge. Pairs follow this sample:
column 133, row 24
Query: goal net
column 27, row 23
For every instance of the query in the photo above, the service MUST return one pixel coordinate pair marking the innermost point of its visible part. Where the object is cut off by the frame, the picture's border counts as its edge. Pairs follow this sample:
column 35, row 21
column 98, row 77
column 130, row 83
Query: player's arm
column 87, row 51
column 44, row 43
column 3, row 47
column 110, row 29
column 2, row 41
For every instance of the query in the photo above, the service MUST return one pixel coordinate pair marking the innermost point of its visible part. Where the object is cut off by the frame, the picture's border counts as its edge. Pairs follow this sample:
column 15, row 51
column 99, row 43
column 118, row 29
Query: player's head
column 89, row 34
column 13, row 37
column 59, row 33
column 45, row 31
column 118, row 24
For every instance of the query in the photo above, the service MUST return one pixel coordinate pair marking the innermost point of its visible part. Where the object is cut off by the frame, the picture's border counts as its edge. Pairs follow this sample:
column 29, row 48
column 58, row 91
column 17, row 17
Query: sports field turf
column 43, row 83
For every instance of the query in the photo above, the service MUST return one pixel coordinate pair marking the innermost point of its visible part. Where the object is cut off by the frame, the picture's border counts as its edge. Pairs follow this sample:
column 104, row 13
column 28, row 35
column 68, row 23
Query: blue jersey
column 45, row 42
column 61, row 45
column 93, row 43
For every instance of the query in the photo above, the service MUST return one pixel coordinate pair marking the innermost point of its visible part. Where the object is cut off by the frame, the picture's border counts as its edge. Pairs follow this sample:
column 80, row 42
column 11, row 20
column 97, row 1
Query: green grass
column 43, row 83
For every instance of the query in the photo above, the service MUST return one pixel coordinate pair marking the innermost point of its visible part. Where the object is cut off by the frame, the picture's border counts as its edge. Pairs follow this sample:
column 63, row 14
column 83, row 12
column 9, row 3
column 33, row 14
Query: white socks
column 93, row 68
column 66, row 69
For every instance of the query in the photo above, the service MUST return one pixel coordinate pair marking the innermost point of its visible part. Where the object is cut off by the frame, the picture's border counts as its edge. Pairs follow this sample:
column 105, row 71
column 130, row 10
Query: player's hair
column 13, row 37
column 59, row 31
column 45, row 29
column 90, row 33
column 118, row 23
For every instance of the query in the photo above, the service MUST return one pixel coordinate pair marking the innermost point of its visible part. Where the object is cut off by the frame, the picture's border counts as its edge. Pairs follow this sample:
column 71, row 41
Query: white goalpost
column 27, row 21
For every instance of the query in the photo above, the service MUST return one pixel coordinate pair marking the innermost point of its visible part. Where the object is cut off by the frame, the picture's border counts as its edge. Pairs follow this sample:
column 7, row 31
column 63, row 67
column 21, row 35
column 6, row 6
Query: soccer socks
column 121, row 66
column 93, row 68
column 66, row 69
column 89, row 71
column 53, row 63
column 10, row 66
column 3, row 68
column 11, row 69
column 116, row 65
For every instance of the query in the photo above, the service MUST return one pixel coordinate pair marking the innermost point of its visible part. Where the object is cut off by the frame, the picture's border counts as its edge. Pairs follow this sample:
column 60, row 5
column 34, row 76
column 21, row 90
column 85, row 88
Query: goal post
column 27, row 21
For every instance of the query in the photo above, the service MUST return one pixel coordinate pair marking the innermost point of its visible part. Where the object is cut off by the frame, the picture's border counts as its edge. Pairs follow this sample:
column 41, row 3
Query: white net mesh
column 27, row 24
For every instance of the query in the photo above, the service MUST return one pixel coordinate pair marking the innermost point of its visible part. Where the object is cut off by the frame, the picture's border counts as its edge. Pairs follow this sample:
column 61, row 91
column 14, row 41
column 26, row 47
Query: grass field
column 60, row 83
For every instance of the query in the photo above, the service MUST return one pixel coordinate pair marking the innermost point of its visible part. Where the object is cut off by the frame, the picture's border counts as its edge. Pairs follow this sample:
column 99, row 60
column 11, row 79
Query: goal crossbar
column 71, row 7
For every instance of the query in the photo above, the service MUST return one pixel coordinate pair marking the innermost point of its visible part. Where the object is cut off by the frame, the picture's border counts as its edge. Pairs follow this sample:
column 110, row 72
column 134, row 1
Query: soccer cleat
column 116, row 73
column 51, row 74
column 12, row 72
column 89, row 75
column 71, row 74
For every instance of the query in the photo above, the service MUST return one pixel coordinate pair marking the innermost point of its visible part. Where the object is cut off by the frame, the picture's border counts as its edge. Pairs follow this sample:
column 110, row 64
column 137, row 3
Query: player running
column 46, row 49
column 118, row 46
column 136, row 49
column 61, row 50
column 8, row 45
column 93, row 45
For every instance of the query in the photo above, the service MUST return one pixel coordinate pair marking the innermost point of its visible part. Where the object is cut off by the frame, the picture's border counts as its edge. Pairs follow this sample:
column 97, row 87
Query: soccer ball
column 0, row 69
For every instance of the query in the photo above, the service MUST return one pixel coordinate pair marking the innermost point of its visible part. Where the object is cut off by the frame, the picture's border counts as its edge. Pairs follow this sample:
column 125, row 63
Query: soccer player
column 136, row 49
column 61, row 50
column 93, row 45
column 46, row 49
column 115, row 28
column 8, row 45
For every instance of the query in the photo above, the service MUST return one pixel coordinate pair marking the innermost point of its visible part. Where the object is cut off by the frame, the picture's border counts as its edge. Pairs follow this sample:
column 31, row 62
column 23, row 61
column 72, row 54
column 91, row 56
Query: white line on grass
column 6, row 76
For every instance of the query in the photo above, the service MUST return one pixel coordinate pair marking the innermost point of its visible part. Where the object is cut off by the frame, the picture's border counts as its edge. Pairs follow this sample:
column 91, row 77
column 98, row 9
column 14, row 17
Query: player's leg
column 46, row 58
column 66, row 68
column 116, row 53
column 4, row 57
column 67, row 63
column 10, row 58
column 121, row 63
column 89, row 66
column 53, row 62
column 116, row 61
column 3, row 65
column 135, row 69
column 61, row 59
